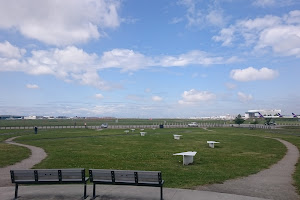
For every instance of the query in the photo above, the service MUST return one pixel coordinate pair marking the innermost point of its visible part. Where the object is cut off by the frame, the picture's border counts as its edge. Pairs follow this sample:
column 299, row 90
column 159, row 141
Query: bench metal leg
column 16, row 191
column 84, row 192
column 94, row 190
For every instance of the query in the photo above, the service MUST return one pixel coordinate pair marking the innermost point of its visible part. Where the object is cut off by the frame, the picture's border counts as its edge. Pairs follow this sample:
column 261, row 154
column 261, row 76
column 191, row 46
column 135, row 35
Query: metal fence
column 167, row 125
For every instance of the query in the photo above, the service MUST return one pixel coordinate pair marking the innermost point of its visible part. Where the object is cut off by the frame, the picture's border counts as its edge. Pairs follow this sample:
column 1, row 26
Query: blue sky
column 149, row 59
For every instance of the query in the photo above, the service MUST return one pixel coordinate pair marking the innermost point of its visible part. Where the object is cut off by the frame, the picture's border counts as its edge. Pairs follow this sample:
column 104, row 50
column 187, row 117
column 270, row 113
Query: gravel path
column 37, row 155
column 273, row 183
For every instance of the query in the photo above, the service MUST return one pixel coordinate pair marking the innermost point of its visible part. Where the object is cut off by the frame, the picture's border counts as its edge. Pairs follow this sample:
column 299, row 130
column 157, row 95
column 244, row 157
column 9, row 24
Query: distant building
column 30, row 117
column 61, row 117
column 254, row 113
column 11, row 117
column 221, row 117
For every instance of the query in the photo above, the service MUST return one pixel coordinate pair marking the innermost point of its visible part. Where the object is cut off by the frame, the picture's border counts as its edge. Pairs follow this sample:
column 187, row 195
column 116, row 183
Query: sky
column 149, row 59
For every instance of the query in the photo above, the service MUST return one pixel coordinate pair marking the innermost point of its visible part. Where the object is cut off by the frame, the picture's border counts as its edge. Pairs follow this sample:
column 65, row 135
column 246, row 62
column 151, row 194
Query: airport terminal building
column 254, row 113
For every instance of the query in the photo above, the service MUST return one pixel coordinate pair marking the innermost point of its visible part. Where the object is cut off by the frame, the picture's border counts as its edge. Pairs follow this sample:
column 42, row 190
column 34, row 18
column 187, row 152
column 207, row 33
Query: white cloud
column 280, row 34
column 284, row 40
column 230, row 86
column 147, row 90
column 156, row 98
column 195, row 57
column 216, row 17
column 133, row 97
column 125, row 59
column 32, row 86
column 193, row 97
column 69, row 64
column 200, row 16
column 99, row 96
column 129, row 60
column 9, row 51
column 176, row 20
column 244, row 97
column 60, row 22
column 264, row 3
column 293, row 17
column 72, row 64
column 252, row 74
column 273, row 3
column 60, row 62
column 195, row 75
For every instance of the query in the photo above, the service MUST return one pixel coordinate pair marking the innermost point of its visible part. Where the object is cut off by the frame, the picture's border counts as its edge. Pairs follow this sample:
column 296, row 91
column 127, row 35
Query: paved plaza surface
column 273, row 183
column 111, row 192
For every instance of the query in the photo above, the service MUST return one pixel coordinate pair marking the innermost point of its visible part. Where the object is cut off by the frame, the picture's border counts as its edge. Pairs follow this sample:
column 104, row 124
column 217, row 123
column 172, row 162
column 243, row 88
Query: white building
column 30, row 117
column 254, row 113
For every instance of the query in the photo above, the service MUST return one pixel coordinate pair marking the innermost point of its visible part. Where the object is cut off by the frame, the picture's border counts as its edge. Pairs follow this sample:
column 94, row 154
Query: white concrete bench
column 188, row 157
column 142, row 133
column 177, row 137
column 211, row 144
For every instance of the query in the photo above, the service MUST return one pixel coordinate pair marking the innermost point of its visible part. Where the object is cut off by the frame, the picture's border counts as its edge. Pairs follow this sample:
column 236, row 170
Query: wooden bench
column 126, row 177
column 48, row 176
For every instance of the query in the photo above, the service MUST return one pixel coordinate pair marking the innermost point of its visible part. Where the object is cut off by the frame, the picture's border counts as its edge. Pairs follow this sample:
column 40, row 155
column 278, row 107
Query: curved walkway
column 273, row 183
column 37, row 155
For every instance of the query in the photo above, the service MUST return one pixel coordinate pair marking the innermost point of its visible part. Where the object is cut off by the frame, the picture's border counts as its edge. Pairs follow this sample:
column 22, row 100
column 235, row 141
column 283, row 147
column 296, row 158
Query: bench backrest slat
column 130, row 176
column 100, row 174
column 124, row 175
column 22, row 175
column 72, row 174
column 151, row 177
column 48, row 175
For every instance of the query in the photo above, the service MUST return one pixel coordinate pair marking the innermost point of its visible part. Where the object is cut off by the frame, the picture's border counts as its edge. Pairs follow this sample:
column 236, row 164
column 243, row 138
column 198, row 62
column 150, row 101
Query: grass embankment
column 10, row 154
column 237, row 155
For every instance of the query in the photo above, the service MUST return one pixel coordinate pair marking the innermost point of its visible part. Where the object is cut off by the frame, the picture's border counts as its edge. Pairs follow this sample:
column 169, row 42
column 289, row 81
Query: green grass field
column 241, row 152
column 237, row 155
column 10, row 154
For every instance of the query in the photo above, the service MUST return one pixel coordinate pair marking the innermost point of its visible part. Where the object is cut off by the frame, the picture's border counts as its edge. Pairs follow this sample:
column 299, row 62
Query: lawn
column 10, row 154
column 238, row 153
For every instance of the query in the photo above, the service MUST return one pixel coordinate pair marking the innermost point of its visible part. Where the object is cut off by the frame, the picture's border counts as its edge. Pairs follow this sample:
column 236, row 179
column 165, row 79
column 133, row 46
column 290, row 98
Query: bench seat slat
column 70, row 180
column 25, row 181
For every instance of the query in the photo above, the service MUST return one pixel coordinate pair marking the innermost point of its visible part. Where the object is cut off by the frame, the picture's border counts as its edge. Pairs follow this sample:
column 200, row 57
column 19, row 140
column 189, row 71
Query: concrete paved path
column 37, row 155
column 111, row 192
column 274, row 183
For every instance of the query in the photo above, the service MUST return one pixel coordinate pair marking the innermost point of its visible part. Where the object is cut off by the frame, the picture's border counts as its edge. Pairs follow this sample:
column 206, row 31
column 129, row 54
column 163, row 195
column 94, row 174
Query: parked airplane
column 293, row 116
column 260, row 115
